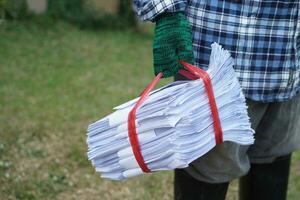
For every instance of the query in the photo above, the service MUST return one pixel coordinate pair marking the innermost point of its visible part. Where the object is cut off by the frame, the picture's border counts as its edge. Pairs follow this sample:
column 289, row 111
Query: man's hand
column 172, row 42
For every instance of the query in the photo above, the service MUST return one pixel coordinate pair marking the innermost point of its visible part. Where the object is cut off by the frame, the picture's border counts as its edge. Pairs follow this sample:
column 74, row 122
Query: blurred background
column 63, row 65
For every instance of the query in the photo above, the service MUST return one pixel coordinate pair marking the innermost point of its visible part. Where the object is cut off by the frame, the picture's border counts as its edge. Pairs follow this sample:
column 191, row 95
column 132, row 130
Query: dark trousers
column 263, row 182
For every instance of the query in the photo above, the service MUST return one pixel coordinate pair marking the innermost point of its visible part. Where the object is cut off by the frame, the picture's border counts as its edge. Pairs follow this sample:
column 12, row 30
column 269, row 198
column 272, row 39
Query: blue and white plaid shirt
column 262, row 35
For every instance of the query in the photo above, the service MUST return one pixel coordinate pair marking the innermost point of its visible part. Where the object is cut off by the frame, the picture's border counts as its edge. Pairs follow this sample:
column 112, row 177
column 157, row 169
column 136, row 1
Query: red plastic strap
column 192, row 73
column 188, row 75
column 200, row 73
column 133, row 138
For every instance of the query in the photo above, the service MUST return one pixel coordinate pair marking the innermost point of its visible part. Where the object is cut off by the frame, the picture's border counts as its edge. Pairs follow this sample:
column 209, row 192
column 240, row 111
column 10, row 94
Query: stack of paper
column 174, row 124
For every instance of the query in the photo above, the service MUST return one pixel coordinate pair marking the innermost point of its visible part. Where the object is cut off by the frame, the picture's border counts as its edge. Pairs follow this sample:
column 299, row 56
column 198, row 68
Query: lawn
column 54, row 81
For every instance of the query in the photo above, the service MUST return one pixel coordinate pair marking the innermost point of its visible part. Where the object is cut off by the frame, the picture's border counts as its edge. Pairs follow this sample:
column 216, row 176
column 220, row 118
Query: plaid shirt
column 262, row 35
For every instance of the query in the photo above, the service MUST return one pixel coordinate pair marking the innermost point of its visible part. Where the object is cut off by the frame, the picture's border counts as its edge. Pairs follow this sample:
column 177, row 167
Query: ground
column 56, row 80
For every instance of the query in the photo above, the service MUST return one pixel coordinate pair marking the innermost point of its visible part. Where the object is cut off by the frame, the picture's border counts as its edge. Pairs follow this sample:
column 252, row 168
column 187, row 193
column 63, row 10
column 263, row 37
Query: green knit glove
column 172, row 42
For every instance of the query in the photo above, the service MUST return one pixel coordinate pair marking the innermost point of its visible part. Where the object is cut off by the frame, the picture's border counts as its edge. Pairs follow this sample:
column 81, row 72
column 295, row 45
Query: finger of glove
column 185, row 48
column 186, row 54
column 165, row 60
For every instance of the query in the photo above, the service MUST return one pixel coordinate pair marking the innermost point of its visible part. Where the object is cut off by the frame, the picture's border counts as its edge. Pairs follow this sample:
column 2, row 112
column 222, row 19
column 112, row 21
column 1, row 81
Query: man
column 264, row 39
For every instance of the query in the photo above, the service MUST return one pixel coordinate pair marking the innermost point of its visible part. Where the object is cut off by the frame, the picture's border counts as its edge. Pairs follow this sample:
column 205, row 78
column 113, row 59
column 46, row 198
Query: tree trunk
column 126, row 12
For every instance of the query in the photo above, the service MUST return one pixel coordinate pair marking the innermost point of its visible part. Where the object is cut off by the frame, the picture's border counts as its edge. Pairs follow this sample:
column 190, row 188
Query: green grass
column 53, row 83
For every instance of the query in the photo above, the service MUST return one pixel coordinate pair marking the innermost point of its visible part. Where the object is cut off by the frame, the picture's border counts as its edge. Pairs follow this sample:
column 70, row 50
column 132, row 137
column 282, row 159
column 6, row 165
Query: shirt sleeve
column 147, row 10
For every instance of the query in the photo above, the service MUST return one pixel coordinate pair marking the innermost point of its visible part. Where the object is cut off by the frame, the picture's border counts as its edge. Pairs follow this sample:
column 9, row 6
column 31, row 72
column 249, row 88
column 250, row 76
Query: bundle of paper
column 174, row 125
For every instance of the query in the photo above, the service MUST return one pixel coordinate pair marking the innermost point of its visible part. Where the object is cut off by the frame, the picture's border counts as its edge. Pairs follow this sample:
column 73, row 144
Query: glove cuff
column 171, row 18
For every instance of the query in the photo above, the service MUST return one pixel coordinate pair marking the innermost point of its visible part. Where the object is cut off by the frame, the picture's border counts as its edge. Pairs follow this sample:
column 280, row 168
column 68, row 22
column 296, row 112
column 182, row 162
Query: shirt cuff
column 148, row 10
